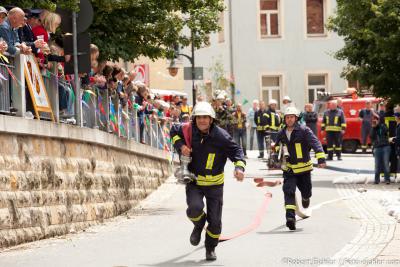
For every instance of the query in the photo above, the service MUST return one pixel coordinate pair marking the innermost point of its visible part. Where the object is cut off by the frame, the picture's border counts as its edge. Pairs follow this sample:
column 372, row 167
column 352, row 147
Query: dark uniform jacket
column 333, row 121
column 397, row 140
column 261, row 120
column 301, row 141
column 311, row 118
column 390, row 122
column 209, row 153
column 273, row 120
column 26, row 35
column 380, row 136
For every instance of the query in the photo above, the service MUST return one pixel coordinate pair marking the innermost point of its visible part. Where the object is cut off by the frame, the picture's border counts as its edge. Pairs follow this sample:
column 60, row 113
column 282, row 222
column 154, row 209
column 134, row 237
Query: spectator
column 141, row 101
column 230, row 110
column 382, row 111
column 381, row 148
column 339, row 103
column 185, row 108
column 49, row 23
column 26, row 34
column 252, row 125
column 3, row 43
column 8, row 32
column 239, row 128
column 310, row 118
column 365, row 116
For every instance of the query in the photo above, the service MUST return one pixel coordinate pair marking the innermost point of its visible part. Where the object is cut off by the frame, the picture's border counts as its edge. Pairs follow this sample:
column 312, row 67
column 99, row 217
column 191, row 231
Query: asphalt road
column 157, row 233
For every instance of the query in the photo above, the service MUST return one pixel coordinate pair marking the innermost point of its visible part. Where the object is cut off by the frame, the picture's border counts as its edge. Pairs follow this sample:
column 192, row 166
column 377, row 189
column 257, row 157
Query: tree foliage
column 371, row 31
column 128, row 29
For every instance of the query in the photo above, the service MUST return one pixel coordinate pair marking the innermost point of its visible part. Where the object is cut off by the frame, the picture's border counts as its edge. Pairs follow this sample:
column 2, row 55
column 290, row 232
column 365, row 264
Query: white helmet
column 273, row 101
column 292, row 111
column 287, row 98
column 203, row 109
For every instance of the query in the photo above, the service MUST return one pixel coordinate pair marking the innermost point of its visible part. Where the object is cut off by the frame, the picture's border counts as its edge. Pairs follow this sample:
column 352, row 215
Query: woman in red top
column 50, row 22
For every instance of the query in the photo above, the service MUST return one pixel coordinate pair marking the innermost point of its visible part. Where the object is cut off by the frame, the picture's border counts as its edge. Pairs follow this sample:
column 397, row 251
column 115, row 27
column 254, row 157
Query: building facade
column 274, row 48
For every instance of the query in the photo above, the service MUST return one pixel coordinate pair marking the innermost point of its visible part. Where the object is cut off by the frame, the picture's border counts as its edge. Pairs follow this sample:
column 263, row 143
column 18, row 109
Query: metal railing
column 101, row 109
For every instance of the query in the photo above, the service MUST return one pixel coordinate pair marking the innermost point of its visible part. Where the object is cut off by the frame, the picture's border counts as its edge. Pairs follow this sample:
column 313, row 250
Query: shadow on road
column 174, row 261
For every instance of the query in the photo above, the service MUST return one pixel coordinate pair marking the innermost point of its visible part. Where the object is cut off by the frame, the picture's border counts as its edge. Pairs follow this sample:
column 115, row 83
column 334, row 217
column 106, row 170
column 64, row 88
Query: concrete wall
column 56, row 179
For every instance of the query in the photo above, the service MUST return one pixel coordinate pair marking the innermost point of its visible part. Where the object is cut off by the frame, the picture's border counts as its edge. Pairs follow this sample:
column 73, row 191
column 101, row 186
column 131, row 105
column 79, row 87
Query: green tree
column 371, row 32
column 128, row 29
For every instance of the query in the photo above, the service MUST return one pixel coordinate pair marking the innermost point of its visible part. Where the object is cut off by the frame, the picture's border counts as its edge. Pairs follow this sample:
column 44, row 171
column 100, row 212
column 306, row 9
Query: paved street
column 345, row 224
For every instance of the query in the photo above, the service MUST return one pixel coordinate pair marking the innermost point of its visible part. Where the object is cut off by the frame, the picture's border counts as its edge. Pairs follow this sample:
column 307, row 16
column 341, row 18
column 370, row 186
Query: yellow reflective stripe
column 212, row 235
column 299, row 152
column 320, row 155
column 259, row 128
column 266, row 115
column 388, row 120
column 175, row 138
column 333, row 128
column 196, row 219
column 290, row 207
column 272, row 120
column 327, row 119
column 240, row 163
column 343, row 125
column 338, row 148
column 209, row 180
column 330, row 149
column 277, row 148
column 210, row 161
column 299, row 165
column 258, row 120
column 336, row 120
column 300, row 170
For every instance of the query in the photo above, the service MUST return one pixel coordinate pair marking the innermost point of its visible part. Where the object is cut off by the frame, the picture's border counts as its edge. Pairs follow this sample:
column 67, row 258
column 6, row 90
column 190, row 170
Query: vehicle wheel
column 350, row 146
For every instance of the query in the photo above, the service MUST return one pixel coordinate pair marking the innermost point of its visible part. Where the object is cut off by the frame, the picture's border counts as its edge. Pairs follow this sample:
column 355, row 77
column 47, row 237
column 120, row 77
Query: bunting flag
column 113, row 119
column 4, row 58
column 245, row 101
column 2, row 77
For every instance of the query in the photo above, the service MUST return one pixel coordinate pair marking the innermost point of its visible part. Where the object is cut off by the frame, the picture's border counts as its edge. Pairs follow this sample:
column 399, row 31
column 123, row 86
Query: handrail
column 101, row 109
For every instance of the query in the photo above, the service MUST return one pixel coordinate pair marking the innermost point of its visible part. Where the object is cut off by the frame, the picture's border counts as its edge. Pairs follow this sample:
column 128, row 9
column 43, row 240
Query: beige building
column 156, row 73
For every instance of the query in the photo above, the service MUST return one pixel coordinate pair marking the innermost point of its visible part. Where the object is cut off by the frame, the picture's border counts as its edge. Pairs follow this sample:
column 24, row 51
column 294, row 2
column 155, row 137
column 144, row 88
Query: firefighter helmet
column 203, row 109
column 273, row 101
column 292, row 111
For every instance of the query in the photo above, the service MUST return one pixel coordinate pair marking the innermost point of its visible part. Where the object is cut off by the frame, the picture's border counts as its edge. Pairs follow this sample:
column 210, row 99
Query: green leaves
column 127, row 29
column 371, row 30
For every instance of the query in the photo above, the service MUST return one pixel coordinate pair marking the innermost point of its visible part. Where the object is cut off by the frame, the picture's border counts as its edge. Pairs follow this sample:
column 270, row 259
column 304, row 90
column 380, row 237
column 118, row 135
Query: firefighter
column 273, row 119
column 298, row 140
column 185, row 108
column 261, row 120
column 211, row 146
column 334, row 123
column 365, row 116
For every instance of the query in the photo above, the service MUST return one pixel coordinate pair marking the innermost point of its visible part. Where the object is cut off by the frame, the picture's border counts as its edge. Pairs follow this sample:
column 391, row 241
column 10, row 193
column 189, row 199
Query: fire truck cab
column 351, row 105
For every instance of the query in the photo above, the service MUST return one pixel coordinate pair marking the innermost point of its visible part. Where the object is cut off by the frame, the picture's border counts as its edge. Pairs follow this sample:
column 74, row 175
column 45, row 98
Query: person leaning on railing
column 8, row 31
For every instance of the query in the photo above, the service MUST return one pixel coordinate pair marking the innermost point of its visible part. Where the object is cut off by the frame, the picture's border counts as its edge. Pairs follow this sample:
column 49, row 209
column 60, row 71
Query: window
column 269, row 18
column 316, row 17
column 221, row 33
column 316, row 84
column 271, row 89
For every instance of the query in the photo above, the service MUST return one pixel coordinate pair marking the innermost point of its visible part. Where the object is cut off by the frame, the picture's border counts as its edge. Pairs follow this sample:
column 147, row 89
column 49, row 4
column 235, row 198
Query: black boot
column 305, row 202
column 210, row 254
column 330, row 156
column 196, row 236
column 291, row 223
column 261, row 155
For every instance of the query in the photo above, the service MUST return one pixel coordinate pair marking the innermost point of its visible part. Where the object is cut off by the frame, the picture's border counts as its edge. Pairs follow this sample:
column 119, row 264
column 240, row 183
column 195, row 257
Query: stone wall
column 57, row 179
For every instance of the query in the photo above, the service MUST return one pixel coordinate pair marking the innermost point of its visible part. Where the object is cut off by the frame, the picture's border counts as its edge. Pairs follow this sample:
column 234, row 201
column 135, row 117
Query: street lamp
column 173, row 69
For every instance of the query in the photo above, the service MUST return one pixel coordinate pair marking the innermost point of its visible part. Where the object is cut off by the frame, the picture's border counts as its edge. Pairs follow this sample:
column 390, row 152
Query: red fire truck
column 352, row 105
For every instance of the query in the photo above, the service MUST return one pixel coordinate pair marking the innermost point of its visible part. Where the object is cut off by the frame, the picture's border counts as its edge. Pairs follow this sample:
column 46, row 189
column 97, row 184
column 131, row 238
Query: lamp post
column 173, row 69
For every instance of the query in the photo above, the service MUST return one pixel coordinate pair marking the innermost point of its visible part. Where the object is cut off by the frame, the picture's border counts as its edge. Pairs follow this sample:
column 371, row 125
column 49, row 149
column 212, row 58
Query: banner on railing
column 36, row 87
